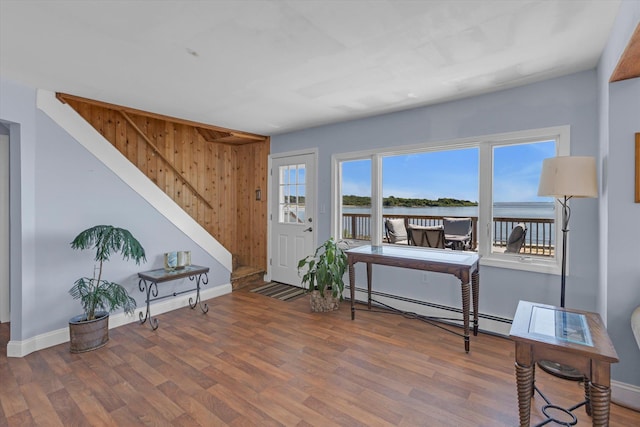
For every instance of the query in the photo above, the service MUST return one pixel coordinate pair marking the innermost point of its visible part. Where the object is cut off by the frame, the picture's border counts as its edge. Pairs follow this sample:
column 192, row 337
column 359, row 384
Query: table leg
column 150, row 290
column 587, row 396
column 475, row 285
column 525, row 377
column 600, row 399
column 203, row 306
column 465, row 314
column 352, row 289
column 600, row 392
column 369, row 285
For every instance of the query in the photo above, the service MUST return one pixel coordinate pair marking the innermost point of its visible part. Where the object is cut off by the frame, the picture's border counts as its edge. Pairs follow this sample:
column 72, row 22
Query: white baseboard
column 49, row 339
column 625, row 395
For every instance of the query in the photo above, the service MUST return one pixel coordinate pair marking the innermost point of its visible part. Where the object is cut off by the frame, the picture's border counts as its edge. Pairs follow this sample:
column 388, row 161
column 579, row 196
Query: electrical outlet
column 425, row 277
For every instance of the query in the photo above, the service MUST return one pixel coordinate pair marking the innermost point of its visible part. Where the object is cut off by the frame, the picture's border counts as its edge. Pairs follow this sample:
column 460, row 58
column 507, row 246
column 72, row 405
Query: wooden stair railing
column 159, row 154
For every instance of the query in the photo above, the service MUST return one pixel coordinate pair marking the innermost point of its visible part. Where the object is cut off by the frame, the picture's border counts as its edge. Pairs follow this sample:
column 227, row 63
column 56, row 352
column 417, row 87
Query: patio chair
column 457, row 233
column 429, row 237
column 396, row 231
column 516, row 239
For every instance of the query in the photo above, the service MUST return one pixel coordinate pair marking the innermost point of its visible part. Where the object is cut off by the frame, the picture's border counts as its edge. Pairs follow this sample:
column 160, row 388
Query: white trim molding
column 60, row 336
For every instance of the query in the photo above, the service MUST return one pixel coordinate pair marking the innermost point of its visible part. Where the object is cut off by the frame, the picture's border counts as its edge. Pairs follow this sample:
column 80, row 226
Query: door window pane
column 291, row 197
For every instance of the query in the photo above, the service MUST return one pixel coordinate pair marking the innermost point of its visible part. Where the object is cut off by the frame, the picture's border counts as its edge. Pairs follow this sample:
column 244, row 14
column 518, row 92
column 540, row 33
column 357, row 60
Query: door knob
column 308, row 229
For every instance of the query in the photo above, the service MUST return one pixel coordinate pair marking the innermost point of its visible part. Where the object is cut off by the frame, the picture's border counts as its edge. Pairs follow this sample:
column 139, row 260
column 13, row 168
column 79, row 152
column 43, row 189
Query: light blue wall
column 64, row 189
column 569, row 100
column 623, row 281
column 619, row 119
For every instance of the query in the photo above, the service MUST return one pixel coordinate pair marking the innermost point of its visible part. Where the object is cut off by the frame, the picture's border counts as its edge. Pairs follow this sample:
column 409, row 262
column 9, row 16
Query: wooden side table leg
column 369, row 273
column 600, row 402
column 465, row 314
column 475, row 290
column 524, row 378
column 352, row 289
column 587, row 396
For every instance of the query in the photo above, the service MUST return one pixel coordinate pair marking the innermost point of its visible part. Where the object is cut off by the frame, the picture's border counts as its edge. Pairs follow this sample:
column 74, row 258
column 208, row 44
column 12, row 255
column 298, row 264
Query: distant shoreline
column 501, row 209
column 392, row 201
column 497, row 204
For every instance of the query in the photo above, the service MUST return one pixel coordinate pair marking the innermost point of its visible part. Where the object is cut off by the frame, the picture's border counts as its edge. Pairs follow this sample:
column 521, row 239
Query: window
column 522, row 222
column 355, row 200
column 292, row 194
column 493, row 180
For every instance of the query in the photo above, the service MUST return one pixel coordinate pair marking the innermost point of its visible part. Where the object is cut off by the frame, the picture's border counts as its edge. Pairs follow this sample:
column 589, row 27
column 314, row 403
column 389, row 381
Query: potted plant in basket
column 100, row 297
column 324, row 275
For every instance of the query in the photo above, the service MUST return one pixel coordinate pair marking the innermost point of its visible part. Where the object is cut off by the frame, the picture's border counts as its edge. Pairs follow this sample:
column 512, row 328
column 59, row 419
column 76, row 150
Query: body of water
column 509, row 210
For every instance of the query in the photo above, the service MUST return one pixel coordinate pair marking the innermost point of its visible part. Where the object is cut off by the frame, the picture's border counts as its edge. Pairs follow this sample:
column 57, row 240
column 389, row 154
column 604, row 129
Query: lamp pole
column 566, row 214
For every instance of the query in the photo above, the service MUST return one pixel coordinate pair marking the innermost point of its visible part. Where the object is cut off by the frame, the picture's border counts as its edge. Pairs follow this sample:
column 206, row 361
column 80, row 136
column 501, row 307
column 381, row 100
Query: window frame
column 485, row 145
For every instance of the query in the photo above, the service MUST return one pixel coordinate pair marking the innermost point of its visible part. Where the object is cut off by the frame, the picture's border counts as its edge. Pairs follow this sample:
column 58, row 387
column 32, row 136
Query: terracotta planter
column 88, row 335
column 323, row 303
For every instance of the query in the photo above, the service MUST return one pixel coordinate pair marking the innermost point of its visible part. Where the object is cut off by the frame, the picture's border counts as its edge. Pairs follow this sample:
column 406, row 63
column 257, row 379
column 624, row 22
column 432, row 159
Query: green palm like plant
column 94, row 292
column 325, row 269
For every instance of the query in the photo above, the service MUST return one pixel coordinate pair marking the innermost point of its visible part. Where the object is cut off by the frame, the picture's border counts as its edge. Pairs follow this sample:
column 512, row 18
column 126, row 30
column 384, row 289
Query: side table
column 572, row 337
column 149, row 284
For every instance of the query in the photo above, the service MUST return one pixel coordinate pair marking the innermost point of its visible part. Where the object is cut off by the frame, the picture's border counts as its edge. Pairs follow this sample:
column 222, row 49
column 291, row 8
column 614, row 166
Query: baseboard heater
column 428, row 304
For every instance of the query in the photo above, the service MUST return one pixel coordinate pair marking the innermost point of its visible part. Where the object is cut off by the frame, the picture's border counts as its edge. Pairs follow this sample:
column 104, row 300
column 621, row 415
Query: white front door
column 292, row 215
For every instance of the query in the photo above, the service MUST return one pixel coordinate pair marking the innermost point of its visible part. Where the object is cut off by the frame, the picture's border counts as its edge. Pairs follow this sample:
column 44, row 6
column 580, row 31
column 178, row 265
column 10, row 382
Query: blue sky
column 454, row 174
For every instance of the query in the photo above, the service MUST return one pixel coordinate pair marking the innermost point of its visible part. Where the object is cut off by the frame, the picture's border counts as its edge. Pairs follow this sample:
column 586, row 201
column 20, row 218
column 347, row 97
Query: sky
column 454, row 174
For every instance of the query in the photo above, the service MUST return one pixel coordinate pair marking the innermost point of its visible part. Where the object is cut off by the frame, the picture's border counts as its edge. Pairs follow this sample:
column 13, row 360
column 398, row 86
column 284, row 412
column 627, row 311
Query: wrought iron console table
column 149, row 284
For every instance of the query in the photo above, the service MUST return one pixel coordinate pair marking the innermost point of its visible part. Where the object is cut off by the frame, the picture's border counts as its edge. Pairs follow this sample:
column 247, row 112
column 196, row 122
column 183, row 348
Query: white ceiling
column 273, row 66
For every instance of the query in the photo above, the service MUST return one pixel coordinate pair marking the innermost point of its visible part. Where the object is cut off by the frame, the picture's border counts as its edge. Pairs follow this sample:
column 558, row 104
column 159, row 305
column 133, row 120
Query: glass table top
column 561, row 325
column 419, row 253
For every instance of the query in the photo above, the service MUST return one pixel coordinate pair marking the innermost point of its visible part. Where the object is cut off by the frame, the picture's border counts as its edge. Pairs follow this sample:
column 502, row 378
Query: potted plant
column 100, row 297
column 324, row 275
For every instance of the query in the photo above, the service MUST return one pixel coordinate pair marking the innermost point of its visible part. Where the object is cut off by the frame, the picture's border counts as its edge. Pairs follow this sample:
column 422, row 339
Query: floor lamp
column 566, row 177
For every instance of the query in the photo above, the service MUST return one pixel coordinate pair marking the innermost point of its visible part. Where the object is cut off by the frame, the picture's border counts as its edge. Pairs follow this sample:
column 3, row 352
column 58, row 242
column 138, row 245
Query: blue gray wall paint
column 68, row 190
column 623, row 278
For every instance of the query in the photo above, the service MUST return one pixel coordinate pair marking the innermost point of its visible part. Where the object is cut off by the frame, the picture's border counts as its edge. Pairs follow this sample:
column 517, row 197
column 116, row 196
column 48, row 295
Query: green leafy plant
column 325, row 269
column 94, row 292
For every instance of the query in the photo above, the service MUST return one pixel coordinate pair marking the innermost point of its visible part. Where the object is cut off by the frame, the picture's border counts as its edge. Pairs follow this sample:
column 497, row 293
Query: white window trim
column 485, row 144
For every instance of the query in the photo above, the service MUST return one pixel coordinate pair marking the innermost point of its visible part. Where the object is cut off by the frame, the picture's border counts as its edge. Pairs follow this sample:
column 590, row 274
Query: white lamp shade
column 568, row 176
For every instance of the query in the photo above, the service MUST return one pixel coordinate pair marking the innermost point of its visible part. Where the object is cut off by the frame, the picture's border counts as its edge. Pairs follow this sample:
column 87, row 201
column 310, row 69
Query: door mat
column 280, row 291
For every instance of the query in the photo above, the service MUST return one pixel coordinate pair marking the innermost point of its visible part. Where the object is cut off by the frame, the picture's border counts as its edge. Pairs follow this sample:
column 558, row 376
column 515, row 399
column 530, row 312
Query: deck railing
column 539, row 239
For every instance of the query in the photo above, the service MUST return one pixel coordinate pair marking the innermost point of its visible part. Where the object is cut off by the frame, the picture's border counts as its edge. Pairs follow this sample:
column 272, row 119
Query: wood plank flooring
column 257, row 361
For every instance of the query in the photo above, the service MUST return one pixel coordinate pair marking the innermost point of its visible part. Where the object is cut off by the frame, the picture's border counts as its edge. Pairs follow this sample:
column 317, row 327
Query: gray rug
column 279, row 291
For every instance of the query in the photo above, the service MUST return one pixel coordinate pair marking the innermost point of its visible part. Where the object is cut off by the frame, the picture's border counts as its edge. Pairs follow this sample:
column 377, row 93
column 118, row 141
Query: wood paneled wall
column 214, row 182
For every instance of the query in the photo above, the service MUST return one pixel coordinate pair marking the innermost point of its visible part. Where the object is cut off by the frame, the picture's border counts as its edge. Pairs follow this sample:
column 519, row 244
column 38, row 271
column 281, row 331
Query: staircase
column 246, row 276
column 212, row 173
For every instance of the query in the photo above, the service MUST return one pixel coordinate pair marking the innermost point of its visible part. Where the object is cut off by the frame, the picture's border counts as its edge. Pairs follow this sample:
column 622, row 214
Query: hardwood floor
column 257, row 361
